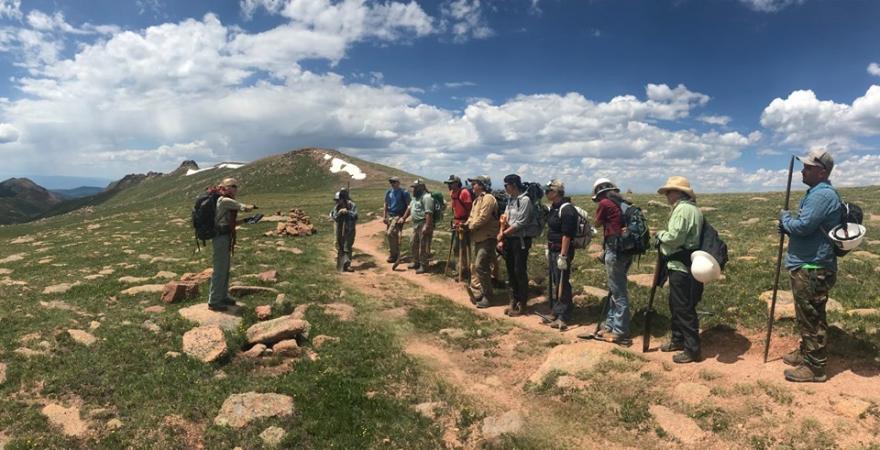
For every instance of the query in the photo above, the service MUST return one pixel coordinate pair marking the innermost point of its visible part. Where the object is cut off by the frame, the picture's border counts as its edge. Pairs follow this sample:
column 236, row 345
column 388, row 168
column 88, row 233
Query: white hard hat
column 849, row 237
column 605, row 184
column 336, row 196
column 704, row 267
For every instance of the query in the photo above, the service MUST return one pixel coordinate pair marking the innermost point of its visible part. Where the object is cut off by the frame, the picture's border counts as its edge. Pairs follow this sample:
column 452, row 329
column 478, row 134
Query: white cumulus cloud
column 465, row 20
column 10, row 9
column 8, row 133
column 714, row 120
column 770, row 5
column 874, row 69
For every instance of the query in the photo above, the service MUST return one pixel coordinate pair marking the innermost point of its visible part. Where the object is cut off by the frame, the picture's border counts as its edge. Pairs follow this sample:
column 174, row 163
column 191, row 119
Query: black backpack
column 535, row 193
column 711, row 243
column 636, row 238
column 204, row 216
column 501, row 198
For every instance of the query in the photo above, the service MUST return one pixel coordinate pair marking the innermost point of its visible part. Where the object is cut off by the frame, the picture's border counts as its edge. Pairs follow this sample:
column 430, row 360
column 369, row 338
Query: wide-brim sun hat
column 677, row 183
column 849, row 237
column 704, row 267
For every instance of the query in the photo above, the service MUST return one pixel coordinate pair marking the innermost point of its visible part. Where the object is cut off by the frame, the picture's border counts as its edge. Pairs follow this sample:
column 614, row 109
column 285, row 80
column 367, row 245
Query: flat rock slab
column 145, row 289
column 341, row 311
column 240, row 409
column 287, row 347
column 785, row 304
column 507, row 423
column 13, row 258
column 595, row 292
column 642, row 279
column 271, row 331
column 67, row 419
column 132, row 280
column 852, row 407
column 864, row 254
column 692, row 393
column 263, row 312
column 59, row 288
column 241, row 291
column 568, row 358
column 82, row 337
column 677, row 425
column 203, row 316
column 207, row 343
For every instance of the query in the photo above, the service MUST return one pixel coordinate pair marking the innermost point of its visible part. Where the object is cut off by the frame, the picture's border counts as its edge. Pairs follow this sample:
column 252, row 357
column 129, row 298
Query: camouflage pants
column 810, row 289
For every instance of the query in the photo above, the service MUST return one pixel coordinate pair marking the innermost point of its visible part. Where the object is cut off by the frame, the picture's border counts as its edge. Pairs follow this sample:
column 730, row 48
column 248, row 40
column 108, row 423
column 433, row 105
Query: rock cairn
column 298, row 223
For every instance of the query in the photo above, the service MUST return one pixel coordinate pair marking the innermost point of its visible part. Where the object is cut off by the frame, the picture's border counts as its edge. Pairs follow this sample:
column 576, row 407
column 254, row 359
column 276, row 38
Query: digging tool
column 778, row 265
column 340, row 245
column 399, row 253
column 546, row 319
column 449, row 255
column 649, row 311
column 606, row 303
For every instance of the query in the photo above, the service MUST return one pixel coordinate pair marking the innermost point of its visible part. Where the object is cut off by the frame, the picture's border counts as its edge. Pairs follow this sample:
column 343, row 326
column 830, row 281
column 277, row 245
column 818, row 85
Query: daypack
column 204, row 215
column 849, row 213
column 439, row 206
column 583, row 235
column 711, row 243
column 501, row 198
column 635, row 239
column 535, row 193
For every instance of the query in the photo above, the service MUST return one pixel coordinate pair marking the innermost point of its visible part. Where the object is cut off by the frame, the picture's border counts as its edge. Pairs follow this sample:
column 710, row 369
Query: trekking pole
column 778, row 266
column 606, row 304
column 649, row 312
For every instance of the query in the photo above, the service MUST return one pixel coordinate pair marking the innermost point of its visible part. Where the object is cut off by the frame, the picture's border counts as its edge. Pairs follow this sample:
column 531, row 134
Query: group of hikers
column 486, row 224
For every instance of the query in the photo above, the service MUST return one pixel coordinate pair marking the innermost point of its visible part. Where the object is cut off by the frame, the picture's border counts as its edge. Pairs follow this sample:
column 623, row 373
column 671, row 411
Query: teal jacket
column 818, row 213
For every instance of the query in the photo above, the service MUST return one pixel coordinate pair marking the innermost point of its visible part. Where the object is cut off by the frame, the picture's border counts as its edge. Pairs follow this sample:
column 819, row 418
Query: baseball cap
column 818, row 157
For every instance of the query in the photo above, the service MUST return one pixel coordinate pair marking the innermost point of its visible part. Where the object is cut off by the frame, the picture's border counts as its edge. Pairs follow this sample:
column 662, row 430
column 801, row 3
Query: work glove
column 562, row 262
column 253, row 219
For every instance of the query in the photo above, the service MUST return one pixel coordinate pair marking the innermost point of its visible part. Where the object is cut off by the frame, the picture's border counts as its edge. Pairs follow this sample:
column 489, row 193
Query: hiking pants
column 220, row 278
column 684, row 294
column 562, row 306
column 419, row 245
column 392, row 233
column 810, row 289
column 345, row 232
column 616, row 267
column 516, row 256
column 484, row 255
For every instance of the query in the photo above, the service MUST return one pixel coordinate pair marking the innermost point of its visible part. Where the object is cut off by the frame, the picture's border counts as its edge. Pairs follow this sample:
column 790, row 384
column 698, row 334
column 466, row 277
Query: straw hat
column 677, row 183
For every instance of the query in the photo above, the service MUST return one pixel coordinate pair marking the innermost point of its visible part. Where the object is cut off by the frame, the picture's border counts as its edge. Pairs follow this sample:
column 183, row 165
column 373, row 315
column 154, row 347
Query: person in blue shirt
column 396, row 202
column 812, row 265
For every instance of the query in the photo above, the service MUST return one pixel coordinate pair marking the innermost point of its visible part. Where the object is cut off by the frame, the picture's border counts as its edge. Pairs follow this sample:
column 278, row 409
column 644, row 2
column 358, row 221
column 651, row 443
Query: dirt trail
column 733, row 357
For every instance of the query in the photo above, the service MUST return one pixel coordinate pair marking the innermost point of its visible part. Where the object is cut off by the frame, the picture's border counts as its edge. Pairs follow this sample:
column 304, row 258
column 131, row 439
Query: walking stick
column 649, row 312
column 340, row 245
column 449, row 256
column 778, row 266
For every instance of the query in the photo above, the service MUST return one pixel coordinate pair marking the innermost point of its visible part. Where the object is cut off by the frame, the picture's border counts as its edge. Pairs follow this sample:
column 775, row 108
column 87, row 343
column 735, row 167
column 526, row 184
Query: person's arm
column 811, row 215
column 428, row 204
column 601, row 215
column 353, row 211
column 385, row 211
column 675, row 233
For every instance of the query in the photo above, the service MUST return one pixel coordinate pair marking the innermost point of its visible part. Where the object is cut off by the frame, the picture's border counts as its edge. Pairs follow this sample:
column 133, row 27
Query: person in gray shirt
column 514, row 242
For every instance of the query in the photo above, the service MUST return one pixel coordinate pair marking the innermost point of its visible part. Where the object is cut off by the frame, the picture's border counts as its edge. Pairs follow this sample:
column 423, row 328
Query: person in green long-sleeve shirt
column 680, row 238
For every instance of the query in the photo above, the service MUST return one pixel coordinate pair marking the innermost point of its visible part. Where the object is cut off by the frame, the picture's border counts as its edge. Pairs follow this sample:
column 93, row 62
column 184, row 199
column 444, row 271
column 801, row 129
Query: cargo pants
column 392, row 233
column 222, row 259
column 810, row 289
column 484, row 256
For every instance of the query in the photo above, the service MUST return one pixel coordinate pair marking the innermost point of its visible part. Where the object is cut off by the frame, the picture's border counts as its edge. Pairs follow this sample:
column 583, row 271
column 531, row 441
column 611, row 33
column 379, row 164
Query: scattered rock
column 342, row 311
column 113, row 424
column 201, row 277
column 863, row 312
column 263, row 312
column 293, row 250
column 152, row 327
column 642, row 279
column 320, row 340
column 100, row 413
column 297, row 223
column 164, row 259
column 82, row 337
column 94, row 325
column 677, row 425
column 176, row 291
column 255, row 352
column 165, row 275
column 59, row 288
column 568, row 358
column 5, row 271
column 241, row 291
column 429, row 409
column 759, row 199
column 93, row 277
column 507, row 423
column 275, row 330
column 132, row 280
column 13, row 258
column 752, row 221
column 272, row 436
column 28, row 353
column 659, row 204
column 300, row 311
column 22, row 240
column 453, row 333
column 287, row 348
column 745, row 258
column 106, row 271
column 240, row 409
column 2, row 373
column 852, row 407
column 692, row 393
column 269, row 276
column 708, row 209
column 67, row 419
column 206, row 344
column 157, row 309
column 203, row 316
column 46, row 260
column 595, row 292
column 172, row 354
column 280, row 300
column 145, row 289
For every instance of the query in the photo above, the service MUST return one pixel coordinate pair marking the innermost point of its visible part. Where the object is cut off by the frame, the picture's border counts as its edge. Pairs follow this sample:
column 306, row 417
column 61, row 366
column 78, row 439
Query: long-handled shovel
column 649, row 311
column 340, row 246
column 449, row 255
column 778, row 266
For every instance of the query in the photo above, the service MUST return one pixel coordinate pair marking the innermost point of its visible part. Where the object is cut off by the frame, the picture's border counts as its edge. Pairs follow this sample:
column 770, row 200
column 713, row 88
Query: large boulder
column 206, row 344
column 272, row 331
column 569, row 358
column 176, row 291
column 240, row 409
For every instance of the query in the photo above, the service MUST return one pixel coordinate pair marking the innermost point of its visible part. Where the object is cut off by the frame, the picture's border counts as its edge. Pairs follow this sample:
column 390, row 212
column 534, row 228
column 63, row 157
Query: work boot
column 671, row 347
column 547, row 320
column 347, row 268
column 391, row 259
column 229, row 301
column 483, row 303
column 559, row 324
column 414, row 265
column 513, row 309
column 421, row 269
column 795, row 358
column 471, row 295
column 805, row 374
column 684, row 358
column 218, row 308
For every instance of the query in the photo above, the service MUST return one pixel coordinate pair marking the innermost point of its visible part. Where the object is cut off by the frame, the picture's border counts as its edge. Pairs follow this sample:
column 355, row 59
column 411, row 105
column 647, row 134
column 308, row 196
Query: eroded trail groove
column 502, row 374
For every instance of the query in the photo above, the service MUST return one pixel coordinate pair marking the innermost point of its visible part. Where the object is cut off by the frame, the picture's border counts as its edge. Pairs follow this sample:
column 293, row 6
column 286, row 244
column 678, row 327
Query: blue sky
column 718, row 90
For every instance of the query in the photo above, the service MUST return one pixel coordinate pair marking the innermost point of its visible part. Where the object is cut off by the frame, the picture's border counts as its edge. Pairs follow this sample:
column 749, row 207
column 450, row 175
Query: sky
column 720, row 91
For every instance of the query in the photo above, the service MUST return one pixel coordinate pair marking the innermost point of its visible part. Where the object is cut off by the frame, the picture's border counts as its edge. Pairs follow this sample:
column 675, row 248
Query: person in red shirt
column 609, row 215
column 462, row 200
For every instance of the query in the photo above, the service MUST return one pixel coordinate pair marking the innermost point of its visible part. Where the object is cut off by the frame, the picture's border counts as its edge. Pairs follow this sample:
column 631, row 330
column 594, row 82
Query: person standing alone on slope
column 225, row 220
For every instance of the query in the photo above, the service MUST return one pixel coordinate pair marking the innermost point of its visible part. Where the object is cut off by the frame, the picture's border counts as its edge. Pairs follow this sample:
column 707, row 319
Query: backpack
column 583, row 235
column 849, row 213
column 636, row 237
column 439, row 206
column 204, row 215
column 501, row 199
column 535, row 193
column 711, row 243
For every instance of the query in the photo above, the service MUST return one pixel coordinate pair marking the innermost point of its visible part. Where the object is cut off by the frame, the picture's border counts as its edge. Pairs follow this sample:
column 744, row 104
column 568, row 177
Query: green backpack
column 439, row 206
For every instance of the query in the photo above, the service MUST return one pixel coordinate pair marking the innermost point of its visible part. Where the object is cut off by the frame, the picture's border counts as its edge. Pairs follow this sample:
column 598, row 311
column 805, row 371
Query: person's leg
column 621, row 297
column 482, row 266
column 677, row 296
column 219, row 289
column 521, row 268
column 552, row 280
column 349, row 243
column 810, row 289
column 563, row 306
column 510, row 264
column 392, row 233
column 613, row 321
column 686, row 311
column 416, row 245
column 424, row 248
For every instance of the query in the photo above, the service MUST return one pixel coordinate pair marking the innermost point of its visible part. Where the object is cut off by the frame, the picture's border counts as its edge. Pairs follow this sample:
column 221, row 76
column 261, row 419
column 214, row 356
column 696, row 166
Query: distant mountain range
column 82, row 191
column 21, row 200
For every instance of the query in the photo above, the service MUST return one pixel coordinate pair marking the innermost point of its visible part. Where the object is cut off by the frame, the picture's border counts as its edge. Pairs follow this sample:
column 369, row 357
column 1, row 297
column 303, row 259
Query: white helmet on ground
column 847, row 237
column 704, row 267
column 602, row 185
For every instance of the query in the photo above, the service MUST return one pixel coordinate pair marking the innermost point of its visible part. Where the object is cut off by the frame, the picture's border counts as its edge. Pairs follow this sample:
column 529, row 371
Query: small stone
column 263, row 312
column 320, row 340
column 157, row 309
column 752, row 221
column 255, row 352
column 300, row 311
column 280, row 300
column 145, row 289
column 82, row 337
column 113, row 424
column 59, row 288
column 507, row 423
column 240, row 409
column 269, row 276
column 132, row 280
column 864, row 312
column 2, row 373
column 287, row 347
column 242, row 291
column 165, row 275
column 94, row 325
column 341, row 311
column 206, row 344
column 453, row 333
column 100, row 413
column 172, row 354
column 429, row 409
column 150, row 326
column 176, row 291
column 275, row 330
column 272, row 436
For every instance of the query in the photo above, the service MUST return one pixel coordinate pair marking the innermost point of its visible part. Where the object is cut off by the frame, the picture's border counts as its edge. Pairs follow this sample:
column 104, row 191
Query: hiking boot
column 547, row 320
column 414, row 265
column 614, row 338
column 671, row 347
column 483, row 303
column 795, row 358
column 513, row 310
column 391, row 259
column 471, row 295
column 559, row 324
column 347, row 269
column 217, row 307
column 229, row 301
column 684, row 358
column 805, row 374
column 421, row 269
